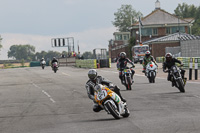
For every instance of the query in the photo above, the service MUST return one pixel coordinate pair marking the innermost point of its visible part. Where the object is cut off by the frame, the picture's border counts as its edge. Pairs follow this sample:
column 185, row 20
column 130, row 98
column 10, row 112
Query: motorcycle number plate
column 102, row 95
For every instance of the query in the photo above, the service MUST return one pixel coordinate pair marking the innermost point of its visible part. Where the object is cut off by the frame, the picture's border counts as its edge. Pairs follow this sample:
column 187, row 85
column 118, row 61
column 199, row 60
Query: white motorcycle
column 43, row 64
column 151, row 70
column 110, row 101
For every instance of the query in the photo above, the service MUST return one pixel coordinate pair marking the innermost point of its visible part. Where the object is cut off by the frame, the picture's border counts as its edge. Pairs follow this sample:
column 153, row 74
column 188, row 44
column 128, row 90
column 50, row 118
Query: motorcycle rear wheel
column 127, row 113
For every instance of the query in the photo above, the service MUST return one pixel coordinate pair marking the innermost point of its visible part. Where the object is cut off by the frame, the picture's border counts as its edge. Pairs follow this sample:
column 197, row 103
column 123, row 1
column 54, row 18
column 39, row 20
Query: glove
column 165, row 71
column 133, row 66
column 144, row 69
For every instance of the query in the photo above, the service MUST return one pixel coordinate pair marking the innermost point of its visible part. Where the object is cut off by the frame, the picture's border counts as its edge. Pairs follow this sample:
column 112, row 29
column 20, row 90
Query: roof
column 173, row 37
column 160, row 16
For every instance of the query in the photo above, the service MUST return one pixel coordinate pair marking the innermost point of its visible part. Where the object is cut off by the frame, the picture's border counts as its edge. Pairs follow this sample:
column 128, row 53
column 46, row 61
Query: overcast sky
column 35, row 22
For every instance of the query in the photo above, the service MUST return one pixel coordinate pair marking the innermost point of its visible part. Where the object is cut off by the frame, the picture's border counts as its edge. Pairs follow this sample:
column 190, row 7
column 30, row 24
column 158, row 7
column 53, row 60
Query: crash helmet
column 122, row 55
column 168, row 57
column 92, row 74
column 54, row 58
column 147, row 53
column 42, row 59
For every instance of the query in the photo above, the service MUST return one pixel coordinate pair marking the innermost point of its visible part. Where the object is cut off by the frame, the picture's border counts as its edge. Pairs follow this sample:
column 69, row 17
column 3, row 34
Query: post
column 196, row 69
column 190, row 69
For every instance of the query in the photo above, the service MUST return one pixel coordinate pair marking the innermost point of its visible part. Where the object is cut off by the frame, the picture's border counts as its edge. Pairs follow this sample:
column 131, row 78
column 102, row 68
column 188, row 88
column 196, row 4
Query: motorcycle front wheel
column 112, row 110
column 180, row 85
column 128, row 84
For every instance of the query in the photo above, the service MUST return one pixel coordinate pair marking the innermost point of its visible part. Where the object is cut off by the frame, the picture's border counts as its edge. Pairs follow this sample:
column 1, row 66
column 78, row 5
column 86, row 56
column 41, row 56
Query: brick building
column 161, row 23
column 156, row 25
column 118, row 44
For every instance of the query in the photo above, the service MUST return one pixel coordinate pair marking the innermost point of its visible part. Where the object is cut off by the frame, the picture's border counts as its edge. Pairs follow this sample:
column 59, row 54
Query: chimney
column 157, row 5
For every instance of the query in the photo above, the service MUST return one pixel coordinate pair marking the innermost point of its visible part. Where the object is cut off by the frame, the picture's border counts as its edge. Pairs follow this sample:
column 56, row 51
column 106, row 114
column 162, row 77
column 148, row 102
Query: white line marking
column 196, row 96
column 49, row 96
column 35, row 85
column 66, row 74
column 52, row 100
column 45, row 93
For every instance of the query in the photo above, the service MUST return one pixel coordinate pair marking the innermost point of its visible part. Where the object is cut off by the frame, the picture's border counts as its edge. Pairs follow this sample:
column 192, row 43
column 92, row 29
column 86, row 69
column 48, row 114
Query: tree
column 0, row 43
column 20, row 52
column 51, row 54
column 124, row 16
column 88, row 55
column 189, row 11
column 130, row 45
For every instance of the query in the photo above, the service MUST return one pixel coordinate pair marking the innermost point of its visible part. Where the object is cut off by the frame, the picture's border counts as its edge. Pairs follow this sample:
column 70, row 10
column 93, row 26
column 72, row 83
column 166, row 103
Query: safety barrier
column 184, row 60
column 90, row 63
column 93, row 63
column 37, row 63
column 67, row 61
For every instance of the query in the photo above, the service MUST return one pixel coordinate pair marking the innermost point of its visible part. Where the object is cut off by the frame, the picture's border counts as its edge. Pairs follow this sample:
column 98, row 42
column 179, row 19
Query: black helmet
column 92, row 74
column 147, row 53
column 168, row 57
column 122, row 55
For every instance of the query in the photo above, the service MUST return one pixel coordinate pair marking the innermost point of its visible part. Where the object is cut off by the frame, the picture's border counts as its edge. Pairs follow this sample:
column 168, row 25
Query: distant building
column 119, row 44
column 181, row 44
column 159, row 30
column 161, row 23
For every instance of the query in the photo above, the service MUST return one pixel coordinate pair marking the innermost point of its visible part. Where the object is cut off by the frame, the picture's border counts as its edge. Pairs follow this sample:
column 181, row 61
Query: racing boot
column 117, row 90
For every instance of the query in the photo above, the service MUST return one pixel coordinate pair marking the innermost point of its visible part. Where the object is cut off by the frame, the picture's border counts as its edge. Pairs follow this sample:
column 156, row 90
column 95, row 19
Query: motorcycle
column 151, row 70
column 55, row 66
column 110, row 102
column 176, row 78
column 126, row 77
column 43, row 63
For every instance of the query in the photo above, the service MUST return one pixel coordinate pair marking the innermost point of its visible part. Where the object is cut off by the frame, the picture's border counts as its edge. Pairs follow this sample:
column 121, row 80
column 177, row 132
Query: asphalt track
column 33, row 100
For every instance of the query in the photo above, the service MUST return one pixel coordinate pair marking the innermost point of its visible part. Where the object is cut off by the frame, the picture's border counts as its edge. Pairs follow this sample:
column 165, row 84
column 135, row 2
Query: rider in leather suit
column 94, row 79
column 169, row 62
column 122, row 63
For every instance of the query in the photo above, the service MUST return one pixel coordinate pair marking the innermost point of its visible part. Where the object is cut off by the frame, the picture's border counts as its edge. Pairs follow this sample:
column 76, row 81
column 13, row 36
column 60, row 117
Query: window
column 168, row 31
column 147, row 32
column 126, row 37
column 118, row 37
column 155, row 31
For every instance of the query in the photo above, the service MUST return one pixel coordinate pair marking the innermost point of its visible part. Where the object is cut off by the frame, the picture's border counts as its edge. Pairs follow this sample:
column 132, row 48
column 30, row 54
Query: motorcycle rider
column 41, row 62
column 53, row 60
column 122, row 63
column 95, row 79
column 169, row 62
column 147, row 58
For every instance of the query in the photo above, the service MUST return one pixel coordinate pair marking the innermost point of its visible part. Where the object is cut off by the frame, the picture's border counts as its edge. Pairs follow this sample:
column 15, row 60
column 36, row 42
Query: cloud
column 88, row 40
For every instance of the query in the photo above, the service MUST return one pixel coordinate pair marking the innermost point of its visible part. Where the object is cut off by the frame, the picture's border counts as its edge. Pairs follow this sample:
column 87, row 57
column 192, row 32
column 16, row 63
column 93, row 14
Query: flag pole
column 140, row 29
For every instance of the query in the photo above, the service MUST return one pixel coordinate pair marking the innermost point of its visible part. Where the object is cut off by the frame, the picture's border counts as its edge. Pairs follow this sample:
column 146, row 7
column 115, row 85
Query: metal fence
column 190, row 48
column 176, row 51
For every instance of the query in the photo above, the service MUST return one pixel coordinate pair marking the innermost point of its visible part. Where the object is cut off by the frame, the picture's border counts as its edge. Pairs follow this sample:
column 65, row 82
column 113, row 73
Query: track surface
column 33, row 100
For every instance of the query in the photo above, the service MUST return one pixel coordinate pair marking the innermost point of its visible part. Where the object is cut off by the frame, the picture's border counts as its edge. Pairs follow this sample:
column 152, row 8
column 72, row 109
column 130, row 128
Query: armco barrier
column 37, row 63
column 90, row 63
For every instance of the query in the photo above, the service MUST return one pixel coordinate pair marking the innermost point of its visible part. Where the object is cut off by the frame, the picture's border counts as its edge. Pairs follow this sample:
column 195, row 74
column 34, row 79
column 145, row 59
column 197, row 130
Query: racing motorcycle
column 151, row 70
column 110, row 102
column 176, row 78
column 55, row 66
column 43, row 63
column 126, row 77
